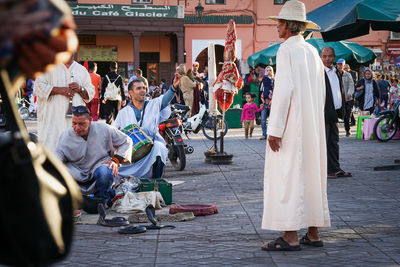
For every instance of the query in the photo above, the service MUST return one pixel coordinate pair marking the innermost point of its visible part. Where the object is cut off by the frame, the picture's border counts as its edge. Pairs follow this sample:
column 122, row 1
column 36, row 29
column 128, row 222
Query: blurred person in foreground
column 295, row 160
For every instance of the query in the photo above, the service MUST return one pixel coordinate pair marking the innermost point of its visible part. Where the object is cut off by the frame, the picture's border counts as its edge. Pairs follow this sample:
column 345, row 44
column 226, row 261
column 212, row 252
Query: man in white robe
column 54, row 91
column 87, row 149
column 295, row 160
column 147, row 115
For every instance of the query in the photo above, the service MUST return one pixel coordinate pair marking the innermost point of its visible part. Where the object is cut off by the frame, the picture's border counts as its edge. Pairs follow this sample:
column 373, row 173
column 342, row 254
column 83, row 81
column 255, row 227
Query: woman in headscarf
column 187, row 87
column 369, row 92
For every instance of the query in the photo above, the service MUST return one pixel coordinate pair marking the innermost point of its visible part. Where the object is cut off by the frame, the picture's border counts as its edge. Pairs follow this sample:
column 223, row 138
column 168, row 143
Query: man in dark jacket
column 111, row 101
column 334, row 109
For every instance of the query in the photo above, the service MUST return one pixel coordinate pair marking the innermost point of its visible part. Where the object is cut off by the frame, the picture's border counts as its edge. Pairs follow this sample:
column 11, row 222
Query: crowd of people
column 96, row 153
column 302, row 105
column 369, row 94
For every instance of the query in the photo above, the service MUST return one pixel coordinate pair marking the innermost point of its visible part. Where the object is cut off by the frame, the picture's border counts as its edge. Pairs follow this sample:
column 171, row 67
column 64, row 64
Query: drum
column 142, row 144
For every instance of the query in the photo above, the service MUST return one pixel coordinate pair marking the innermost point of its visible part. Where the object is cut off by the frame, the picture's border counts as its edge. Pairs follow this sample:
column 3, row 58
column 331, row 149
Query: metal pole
column 223, row 125
column 214, row 121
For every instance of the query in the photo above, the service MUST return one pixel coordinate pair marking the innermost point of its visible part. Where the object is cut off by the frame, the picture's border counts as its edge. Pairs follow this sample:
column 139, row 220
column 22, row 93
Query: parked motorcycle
column 170, row 130
column 388, row 124
column 200, row 121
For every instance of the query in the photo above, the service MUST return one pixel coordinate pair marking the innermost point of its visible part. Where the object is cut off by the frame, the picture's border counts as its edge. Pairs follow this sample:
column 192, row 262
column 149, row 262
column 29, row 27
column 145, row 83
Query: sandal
column 305, row 240
column 339, row 174
column 280, row 245
column 342, row 173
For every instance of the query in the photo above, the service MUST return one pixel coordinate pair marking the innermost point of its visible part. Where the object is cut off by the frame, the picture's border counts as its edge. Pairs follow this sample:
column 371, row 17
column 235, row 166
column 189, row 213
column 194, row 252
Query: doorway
column 149, row 64
column 202, row 58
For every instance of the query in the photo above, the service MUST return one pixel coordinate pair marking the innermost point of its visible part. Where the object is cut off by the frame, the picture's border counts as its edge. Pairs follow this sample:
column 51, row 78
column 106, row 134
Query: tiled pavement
column 365, row 212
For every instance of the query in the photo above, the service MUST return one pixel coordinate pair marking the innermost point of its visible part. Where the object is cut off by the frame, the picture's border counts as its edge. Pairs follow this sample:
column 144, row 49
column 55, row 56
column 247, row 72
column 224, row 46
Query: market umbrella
column 264, row 57
column 228, row 81
column 354, row 54
column 345, row 19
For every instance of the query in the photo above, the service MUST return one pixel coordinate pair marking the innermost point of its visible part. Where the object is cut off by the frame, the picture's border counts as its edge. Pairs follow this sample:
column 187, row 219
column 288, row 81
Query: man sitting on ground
column 87, row 149
column 147, row 115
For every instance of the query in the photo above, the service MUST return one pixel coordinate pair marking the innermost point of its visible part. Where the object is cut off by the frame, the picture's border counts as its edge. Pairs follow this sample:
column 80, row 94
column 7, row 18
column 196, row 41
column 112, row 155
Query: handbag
column 38, row 195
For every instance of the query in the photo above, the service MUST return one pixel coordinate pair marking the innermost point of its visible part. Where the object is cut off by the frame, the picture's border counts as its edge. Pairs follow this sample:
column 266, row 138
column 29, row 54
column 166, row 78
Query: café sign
column 132, row 11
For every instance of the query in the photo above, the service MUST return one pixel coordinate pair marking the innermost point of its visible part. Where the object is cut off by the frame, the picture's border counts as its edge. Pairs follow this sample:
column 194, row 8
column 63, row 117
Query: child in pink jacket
column 248, row 114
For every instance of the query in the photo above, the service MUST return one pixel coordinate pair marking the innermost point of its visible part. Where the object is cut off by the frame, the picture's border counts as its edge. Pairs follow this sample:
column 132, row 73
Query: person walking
column 295, row 158
column 93, row 105
column 267, row 84
column 384, row 88
column 248, row 114
column 348, row 87
column 369, row 92
column 112, row 91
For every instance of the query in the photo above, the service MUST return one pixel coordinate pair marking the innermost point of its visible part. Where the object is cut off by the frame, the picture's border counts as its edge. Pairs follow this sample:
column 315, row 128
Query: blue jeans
column 264, row 116
column 104, row 180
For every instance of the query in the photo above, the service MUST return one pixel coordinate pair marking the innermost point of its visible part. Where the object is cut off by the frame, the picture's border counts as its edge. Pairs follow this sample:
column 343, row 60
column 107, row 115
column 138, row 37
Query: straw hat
column 295, row 10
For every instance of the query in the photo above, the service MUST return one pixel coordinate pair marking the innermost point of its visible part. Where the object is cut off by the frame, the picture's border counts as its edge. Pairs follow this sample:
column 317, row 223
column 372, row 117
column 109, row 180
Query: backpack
column 112, row 91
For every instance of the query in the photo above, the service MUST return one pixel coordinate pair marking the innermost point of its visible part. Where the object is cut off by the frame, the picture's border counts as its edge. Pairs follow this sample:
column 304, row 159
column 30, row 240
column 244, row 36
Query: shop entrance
column 149, row 64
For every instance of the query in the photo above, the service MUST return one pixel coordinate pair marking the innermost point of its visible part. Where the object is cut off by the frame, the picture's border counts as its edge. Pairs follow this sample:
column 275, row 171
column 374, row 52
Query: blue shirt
column 384, row 87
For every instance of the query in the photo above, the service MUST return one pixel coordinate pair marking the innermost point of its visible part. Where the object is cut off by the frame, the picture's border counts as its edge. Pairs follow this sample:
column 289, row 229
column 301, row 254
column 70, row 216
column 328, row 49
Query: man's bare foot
column 291, row 237
column 313, row 234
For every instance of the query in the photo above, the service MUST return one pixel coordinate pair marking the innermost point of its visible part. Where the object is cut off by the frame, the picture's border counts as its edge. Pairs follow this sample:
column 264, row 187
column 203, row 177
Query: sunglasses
column 80, row 109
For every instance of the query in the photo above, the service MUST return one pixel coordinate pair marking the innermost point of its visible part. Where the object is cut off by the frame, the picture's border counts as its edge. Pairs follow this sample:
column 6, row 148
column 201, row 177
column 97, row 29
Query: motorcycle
column 388, row 124
column 170, row 130
column 200, row 121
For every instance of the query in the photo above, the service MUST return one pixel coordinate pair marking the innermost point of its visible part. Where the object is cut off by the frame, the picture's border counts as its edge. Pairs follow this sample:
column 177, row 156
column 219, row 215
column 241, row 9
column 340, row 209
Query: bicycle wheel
column 385, row 128
column 208, row 127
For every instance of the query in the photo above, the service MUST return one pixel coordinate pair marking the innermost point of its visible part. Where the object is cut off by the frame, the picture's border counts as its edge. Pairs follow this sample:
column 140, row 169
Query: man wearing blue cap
column 348, row 88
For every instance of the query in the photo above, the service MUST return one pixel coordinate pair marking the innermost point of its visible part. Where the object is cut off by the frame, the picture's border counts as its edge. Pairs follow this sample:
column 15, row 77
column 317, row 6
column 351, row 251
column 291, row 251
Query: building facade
column 157, row 35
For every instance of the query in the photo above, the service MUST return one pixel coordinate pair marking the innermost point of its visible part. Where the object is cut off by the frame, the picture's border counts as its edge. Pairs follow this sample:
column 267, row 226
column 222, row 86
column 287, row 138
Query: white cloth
column 395, row 94
column 138, row 202
column 295, row 176
column 335, row 86
column 82, row 157
column 51, row 110
column 153, row 115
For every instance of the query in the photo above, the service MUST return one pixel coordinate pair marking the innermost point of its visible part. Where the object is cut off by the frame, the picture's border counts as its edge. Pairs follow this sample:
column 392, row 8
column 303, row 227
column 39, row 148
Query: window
column 142, row 1
column 395, row 35
column 215, row 2
column 279, row 2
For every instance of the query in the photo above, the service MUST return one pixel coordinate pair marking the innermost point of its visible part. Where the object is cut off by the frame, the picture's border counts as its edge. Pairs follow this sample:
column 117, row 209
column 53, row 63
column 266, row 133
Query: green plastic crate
column 162, row 185
column 233, row 116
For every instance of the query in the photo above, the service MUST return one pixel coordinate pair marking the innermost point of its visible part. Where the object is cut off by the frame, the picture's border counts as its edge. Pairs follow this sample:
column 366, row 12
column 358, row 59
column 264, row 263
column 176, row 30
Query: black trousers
column 111, row 110
column 349, row 106
column 332, row 146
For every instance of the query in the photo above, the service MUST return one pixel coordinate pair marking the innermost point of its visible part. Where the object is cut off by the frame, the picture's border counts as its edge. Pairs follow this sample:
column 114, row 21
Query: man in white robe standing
column 147, row 114
column 295, row 159
column 54, row 90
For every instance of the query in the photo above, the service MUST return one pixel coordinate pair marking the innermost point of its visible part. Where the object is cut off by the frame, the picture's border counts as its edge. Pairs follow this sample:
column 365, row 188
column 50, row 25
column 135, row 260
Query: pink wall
column 255, row 37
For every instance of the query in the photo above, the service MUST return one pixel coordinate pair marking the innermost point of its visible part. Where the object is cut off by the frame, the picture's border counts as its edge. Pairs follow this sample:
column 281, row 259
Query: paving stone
column 364, row 211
